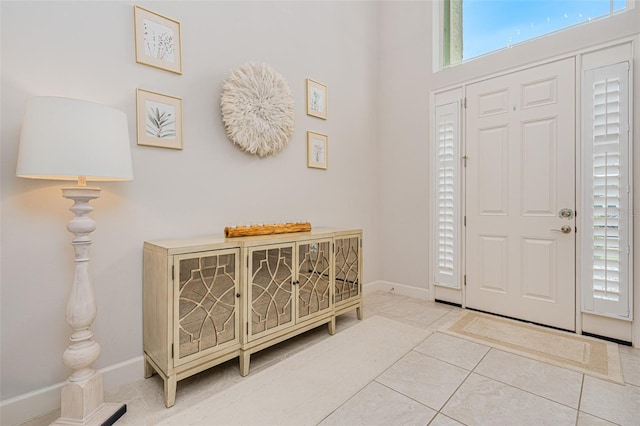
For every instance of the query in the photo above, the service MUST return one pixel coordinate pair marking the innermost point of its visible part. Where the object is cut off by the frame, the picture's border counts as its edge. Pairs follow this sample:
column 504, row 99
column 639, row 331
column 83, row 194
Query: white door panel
column 520, row 173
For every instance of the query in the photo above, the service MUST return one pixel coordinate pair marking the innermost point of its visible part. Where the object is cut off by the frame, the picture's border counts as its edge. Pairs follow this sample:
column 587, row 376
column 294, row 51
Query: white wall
column 404, row 64
column 86, row 50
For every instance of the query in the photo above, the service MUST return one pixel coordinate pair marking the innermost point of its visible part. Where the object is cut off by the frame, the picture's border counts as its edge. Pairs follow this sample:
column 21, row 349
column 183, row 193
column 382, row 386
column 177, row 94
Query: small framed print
column 316, row 99
column 317, row 155
column 158, row 40
column 159, row 120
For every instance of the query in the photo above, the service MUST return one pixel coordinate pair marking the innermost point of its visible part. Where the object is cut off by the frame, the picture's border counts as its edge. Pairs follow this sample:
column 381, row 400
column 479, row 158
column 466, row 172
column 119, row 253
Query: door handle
column 565, row 229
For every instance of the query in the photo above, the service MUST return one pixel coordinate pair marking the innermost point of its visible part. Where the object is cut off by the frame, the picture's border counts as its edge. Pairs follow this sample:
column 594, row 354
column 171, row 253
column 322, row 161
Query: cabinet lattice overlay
column 208, row 314
column 271, row 289
column 347, row 265
column 212, row 299
column 314, row 287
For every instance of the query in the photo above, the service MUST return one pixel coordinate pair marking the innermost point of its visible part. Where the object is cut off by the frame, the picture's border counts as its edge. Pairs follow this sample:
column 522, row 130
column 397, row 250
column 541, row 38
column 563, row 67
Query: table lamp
column 69, row 139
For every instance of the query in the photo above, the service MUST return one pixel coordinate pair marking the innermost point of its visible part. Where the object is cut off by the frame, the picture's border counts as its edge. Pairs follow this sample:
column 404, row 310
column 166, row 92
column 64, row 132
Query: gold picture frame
column 317, row 154
column 158, row 40
column 158, row 120
column 317, row 101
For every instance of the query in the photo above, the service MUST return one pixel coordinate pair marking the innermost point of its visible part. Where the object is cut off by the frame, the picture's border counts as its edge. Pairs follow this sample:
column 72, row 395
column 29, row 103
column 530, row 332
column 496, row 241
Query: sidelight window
column 606, row 251
column 446, row 194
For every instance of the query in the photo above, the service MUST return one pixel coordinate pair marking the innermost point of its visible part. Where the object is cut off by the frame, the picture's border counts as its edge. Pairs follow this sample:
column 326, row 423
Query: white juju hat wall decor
column 257, row 109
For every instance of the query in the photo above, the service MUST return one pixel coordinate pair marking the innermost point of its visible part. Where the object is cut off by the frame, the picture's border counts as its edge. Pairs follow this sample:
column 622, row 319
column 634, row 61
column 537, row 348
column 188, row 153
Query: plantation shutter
column 606, row 219
column 446, row 178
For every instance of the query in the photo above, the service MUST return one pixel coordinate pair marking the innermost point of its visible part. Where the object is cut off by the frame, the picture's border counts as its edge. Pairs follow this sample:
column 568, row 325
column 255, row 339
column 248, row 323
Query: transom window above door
column 474, row 28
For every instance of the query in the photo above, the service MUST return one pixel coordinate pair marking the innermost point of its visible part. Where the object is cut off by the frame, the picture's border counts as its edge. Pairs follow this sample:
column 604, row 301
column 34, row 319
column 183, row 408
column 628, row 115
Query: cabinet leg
column 332, row 326
column 148, row 369
column 359, row 311
column 245, row 358
column 170, row 391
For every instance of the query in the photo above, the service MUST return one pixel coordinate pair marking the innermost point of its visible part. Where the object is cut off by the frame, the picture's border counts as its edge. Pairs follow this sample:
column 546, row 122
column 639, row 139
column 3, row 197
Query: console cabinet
column 209, row 300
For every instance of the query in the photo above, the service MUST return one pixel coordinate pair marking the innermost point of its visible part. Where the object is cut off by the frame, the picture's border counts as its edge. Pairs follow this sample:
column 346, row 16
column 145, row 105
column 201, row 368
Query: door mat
column 583, row 354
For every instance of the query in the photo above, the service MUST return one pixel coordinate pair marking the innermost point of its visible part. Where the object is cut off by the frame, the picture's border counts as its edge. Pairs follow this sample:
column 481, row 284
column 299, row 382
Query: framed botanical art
column 159, row 120
column 317, row 155
column 158, row 40
column 316, row 99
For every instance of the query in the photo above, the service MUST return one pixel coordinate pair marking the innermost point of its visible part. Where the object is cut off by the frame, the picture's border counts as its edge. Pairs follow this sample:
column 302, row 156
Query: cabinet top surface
column 221, row 242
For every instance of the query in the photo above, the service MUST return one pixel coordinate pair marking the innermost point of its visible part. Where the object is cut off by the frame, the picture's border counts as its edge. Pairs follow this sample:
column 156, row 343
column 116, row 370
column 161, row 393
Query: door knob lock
column 565, row 229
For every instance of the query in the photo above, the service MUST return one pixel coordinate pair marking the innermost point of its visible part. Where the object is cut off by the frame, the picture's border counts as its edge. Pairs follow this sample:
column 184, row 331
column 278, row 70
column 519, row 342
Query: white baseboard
column 23, row 408
column 401, row 289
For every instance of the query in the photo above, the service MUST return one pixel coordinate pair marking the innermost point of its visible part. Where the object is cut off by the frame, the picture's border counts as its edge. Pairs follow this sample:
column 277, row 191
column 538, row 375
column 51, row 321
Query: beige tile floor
column 442, row 381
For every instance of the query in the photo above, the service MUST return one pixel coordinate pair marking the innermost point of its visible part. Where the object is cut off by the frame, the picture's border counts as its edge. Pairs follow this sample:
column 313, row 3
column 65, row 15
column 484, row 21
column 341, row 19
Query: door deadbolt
column 565, row 214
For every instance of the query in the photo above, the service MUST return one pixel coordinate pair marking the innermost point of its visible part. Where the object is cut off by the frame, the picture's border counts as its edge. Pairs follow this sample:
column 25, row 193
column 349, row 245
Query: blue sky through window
column 489, row 25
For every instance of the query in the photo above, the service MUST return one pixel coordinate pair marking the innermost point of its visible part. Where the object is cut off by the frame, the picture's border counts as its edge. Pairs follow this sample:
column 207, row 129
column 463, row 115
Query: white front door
column 520, row 175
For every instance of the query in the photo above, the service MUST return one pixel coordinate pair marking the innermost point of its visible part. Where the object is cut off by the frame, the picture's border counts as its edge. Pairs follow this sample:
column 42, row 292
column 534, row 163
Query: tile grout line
column 528, row 391
column 375, row 379
column 584, row 376
column 448, row 417
column 412, row 349
column 438, row 411
column 580, row 399
column 460, row 385
column 408, row 396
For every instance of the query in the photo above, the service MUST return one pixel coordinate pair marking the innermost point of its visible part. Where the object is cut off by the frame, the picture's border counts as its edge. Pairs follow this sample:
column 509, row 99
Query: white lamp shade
column 67, row 138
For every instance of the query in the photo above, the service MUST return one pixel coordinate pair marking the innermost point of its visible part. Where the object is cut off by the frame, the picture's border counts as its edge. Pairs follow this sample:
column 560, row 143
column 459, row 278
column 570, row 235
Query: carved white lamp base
column 83, row 395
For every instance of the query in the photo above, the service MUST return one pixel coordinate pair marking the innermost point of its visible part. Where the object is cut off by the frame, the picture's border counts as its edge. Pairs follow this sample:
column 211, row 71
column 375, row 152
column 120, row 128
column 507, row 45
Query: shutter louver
column 446, row 193
column 607, row 201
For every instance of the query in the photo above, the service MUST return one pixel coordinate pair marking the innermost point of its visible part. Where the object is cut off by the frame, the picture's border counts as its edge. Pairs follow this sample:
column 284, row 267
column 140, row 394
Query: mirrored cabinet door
column 271, row 272
column 206, row 302
column 347, row 269
column 314, row 278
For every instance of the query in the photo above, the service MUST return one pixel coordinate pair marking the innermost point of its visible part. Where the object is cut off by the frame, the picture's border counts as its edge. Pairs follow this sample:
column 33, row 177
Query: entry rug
column 583, row 354
column 308, row 386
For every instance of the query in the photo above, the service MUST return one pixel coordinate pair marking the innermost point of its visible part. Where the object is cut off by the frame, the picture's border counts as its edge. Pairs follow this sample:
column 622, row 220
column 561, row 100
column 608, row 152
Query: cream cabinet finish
column 209, row 300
